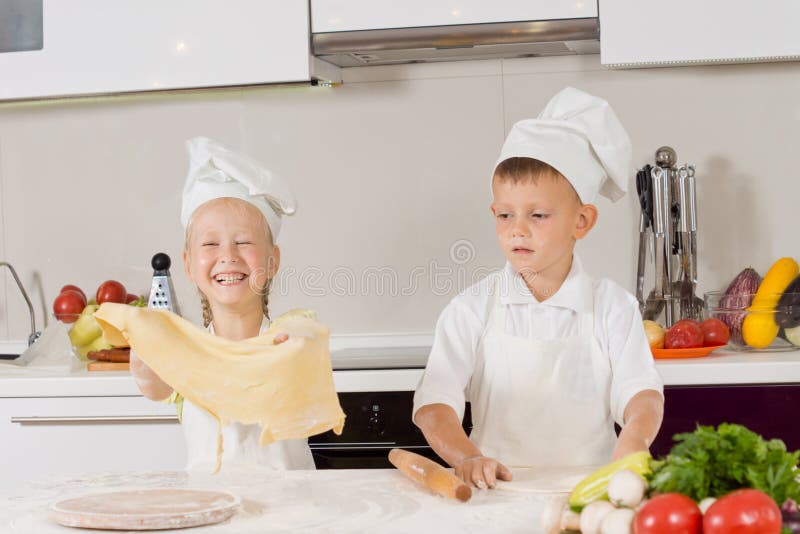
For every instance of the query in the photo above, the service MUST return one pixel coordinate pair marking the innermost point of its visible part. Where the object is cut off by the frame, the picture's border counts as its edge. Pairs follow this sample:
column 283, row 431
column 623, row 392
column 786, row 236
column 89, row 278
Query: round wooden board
column 146, row 509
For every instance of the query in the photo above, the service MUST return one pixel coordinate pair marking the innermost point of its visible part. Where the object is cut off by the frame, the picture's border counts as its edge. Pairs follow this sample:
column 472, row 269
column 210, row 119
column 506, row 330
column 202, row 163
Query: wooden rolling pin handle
column 430, row 474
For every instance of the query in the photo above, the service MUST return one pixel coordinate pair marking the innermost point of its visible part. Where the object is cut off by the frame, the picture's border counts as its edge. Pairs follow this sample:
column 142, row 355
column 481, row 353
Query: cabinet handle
column 362, row 447
column 95, row 419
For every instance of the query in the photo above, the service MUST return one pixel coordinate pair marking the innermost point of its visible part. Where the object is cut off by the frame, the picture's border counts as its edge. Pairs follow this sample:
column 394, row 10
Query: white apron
column 240, row 442
column 541, row 402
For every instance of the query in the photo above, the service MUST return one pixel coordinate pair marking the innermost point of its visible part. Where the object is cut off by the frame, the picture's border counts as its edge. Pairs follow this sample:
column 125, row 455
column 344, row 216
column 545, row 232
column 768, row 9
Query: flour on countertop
column 297, row 501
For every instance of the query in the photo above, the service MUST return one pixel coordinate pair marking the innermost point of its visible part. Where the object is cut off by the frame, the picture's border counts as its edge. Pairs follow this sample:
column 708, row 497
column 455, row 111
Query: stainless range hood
column 458, row 42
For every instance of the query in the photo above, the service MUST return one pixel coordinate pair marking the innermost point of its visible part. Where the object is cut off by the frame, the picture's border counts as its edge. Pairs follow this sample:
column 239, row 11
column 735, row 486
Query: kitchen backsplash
column 391, row 172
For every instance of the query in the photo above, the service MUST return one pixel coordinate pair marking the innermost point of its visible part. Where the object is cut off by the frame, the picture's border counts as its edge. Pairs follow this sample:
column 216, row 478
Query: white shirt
column 617, row 328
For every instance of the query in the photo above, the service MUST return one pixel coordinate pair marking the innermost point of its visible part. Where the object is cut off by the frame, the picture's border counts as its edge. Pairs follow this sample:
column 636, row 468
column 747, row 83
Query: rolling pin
column 430, row 474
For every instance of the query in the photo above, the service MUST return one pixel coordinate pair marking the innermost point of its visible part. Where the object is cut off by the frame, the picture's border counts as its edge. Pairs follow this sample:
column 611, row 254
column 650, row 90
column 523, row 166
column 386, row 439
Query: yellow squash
column 759, row 328
column 595, row 486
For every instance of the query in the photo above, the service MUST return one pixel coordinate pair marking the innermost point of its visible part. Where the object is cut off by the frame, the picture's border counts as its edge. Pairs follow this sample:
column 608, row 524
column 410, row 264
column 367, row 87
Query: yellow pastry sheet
column 287, row 388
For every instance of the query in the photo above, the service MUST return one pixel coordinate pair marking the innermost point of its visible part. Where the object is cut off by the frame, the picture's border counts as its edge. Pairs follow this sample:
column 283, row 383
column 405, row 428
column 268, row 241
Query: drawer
column 46, row 436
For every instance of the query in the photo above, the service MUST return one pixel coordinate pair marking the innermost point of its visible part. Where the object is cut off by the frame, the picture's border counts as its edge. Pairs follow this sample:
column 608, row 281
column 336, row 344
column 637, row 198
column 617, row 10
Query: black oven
column 376, row 422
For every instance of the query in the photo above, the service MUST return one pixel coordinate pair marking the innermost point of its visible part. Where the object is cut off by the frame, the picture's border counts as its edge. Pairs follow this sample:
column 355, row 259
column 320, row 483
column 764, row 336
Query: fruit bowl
column 84, row 333
column 759, row 327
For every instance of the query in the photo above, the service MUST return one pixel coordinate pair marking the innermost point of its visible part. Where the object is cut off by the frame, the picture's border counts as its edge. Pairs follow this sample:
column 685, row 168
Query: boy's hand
column 628, row 444
column 280, row 338
column 482, row 472
column 643, row 416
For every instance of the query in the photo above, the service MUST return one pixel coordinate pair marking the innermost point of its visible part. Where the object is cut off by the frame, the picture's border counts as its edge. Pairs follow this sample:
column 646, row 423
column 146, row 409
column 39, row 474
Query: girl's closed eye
column 209, row 243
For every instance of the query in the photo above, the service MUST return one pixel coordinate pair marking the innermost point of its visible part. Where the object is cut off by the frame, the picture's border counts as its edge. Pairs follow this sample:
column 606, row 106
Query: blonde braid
column 207, row 316
column 265, row 298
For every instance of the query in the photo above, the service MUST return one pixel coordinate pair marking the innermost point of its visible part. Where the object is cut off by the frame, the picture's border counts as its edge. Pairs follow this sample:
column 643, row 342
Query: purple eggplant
column 787, row 312
column 736, row 300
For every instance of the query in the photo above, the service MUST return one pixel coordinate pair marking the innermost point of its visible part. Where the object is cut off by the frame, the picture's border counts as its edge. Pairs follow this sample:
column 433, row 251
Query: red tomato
column 131, row 298
column 111, row 291
column 70, row 287
column 745, row 511
column 684, row 334
column 715, row 332
column 668, row 513
column 68, row 305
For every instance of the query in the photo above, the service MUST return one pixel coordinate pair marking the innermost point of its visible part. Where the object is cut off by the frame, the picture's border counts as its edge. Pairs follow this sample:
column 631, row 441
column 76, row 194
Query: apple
column 85, row 330
column 68, row 305
column 98, row 343
column 70, row 287
column 111, row 291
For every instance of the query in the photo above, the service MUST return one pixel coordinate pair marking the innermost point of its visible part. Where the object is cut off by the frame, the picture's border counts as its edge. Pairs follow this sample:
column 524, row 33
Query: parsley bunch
column 711, row 463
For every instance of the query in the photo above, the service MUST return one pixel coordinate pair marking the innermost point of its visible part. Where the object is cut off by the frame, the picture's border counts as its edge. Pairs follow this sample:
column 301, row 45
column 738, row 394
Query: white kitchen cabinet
column 42, row 436
column 634, row 33
column 354, row 15
column 100, row 47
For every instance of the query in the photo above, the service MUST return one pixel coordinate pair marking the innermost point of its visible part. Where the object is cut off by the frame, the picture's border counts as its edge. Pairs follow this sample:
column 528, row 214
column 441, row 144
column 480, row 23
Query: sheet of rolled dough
column 287, row 388
column 545, row 480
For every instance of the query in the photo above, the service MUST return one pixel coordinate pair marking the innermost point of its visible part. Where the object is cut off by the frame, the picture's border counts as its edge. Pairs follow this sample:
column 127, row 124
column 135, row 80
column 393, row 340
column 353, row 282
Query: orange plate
column 664, row 354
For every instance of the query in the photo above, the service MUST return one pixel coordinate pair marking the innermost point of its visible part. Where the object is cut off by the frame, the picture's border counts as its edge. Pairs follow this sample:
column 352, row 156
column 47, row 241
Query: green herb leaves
column 712, row 463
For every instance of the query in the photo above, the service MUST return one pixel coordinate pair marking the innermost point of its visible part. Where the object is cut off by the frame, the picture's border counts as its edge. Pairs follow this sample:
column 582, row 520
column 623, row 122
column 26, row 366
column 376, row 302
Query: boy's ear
column 587, row 217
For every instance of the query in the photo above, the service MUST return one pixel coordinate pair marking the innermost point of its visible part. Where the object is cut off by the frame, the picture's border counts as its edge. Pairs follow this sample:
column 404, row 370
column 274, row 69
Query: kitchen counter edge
column 720, row 368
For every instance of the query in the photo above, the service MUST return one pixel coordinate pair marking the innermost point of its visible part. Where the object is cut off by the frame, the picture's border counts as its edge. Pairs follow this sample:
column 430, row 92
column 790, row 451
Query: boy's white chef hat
column 580, row 136
column 216, row 172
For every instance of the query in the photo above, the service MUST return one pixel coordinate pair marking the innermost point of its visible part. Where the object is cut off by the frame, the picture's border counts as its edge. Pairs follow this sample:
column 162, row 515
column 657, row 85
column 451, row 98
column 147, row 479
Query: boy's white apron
column 239, row 441
column 541, row 402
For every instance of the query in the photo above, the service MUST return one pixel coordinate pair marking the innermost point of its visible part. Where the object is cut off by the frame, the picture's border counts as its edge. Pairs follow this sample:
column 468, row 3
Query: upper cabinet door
column 353, row 15
column 646, row 33
column 102, row 46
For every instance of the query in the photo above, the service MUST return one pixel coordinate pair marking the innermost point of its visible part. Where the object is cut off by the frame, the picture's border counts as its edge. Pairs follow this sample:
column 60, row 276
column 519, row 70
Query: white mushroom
column 593, row 515
column 706, row 503
column 551, row 515
column 619, row 521
column 570, row 520
column 626, row 488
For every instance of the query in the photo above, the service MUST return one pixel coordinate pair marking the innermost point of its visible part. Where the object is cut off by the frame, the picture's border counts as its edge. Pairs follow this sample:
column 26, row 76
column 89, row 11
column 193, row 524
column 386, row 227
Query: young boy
column 548, row 357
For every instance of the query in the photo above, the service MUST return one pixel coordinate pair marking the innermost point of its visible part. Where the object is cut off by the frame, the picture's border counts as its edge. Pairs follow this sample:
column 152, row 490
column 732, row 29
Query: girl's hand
column 280, row 338
column 482, row 472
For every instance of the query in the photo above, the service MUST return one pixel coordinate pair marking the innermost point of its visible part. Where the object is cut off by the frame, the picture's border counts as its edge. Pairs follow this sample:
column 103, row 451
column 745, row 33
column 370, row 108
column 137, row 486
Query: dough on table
column 287, row 388
column 545, row 480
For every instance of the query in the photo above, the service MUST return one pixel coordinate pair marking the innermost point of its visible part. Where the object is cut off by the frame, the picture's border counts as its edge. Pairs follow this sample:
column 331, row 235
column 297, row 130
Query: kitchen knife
column 430, row 474
column 686, row 285
column 661, row 232
column 643, row 192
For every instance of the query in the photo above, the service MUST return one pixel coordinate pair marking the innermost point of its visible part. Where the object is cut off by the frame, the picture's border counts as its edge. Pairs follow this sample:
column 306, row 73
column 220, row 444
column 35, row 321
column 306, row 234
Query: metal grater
column 162, row 294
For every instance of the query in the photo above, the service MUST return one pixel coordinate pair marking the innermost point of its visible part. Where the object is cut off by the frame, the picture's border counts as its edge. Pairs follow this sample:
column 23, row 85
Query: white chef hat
column 216, row 172
column 580, row 136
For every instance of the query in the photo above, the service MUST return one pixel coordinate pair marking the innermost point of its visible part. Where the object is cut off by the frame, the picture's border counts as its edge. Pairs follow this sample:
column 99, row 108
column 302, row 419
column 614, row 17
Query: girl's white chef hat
column 216, row 172
column 580, row 136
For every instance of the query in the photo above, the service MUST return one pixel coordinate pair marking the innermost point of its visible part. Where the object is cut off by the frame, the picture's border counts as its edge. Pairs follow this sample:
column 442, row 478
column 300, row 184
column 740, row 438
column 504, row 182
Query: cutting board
column 108, row 366
column 146, row 509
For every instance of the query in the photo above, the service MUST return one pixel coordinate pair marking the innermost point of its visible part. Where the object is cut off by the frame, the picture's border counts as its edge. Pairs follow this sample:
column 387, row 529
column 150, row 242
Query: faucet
column 34, row 333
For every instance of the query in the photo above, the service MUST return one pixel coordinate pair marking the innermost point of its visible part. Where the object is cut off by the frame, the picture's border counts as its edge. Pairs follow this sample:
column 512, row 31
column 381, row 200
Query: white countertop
column 381, row 370
column 351, row 501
